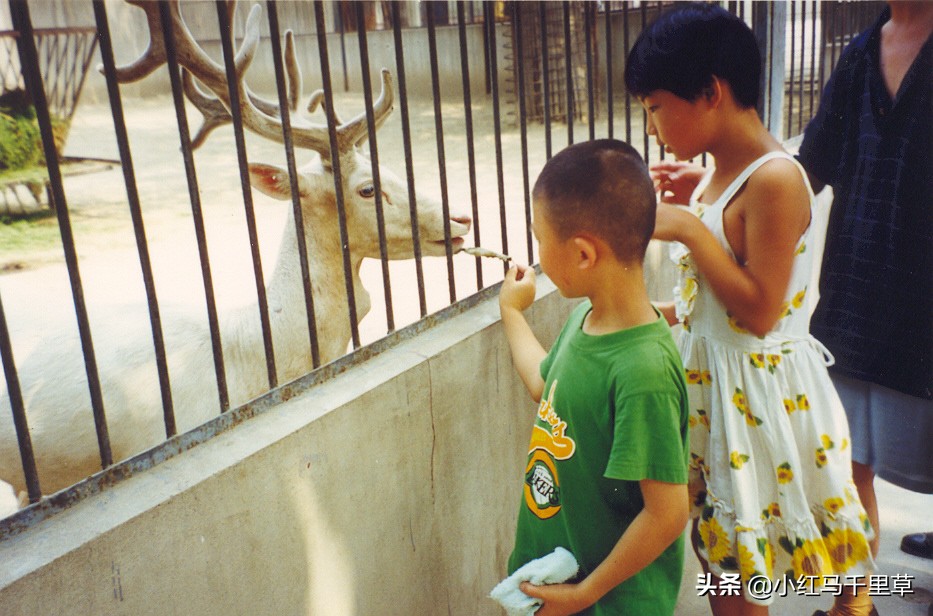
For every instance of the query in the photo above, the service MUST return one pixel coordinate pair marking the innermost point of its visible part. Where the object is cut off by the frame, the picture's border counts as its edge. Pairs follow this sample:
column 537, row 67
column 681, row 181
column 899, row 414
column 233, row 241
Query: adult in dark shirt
column 872, row 140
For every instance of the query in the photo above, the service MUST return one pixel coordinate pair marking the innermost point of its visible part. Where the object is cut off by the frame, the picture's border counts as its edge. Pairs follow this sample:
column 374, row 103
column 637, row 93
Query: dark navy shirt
column 875, row 312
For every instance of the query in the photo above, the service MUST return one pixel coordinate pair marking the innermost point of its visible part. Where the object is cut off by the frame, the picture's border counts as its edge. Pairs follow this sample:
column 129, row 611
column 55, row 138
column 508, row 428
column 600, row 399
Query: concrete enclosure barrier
column 390, row 489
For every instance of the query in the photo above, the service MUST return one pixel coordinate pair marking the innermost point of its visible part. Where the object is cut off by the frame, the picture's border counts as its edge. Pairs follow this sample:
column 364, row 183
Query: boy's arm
column 658, row 524
column 517, row 294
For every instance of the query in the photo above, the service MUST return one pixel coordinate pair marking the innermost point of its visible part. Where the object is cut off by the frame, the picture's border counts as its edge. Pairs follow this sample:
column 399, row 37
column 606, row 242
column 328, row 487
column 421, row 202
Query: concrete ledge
column 390, row 489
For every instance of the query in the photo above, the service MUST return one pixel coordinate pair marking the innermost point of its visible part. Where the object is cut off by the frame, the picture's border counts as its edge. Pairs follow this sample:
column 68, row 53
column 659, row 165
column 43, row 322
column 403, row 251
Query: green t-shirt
column 614, row 412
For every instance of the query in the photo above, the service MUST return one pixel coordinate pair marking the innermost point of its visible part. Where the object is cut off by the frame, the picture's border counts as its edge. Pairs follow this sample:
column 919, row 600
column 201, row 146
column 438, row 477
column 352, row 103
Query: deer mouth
column 439, row 247
column 459, row 226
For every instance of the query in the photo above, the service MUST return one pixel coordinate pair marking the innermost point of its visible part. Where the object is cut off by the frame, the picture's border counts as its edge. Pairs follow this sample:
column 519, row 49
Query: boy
column 607, row 470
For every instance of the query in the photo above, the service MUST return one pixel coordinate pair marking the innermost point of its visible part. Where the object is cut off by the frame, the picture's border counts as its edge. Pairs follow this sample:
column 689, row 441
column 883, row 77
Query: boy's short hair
column 683, row 49
column 603, row 188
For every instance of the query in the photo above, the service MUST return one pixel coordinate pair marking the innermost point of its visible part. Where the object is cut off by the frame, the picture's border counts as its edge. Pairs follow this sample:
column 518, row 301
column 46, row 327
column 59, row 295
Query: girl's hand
column 518, row 288
column 676, row 181
column 559, row 599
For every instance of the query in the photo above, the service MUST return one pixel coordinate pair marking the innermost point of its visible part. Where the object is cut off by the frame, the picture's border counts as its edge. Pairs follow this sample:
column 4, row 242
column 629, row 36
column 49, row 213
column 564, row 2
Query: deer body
column 53, row 378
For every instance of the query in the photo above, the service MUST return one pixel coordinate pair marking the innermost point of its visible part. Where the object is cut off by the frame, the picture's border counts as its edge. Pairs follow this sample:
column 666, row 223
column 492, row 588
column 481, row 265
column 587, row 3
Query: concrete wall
column 391, row 489
column 130, row 39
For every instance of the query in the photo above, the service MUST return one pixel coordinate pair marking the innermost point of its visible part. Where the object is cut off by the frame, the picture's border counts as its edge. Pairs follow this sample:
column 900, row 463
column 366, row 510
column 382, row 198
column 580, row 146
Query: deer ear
column 273, row 181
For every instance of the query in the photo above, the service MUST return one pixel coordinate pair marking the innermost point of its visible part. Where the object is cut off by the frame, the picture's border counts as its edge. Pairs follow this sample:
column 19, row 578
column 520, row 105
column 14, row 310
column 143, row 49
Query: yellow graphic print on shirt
column 542, row 485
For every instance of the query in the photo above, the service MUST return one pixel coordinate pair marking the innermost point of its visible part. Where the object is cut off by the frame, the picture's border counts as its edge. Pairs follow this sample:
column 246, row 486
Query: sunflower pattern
column 770, row 481
column 736, row 460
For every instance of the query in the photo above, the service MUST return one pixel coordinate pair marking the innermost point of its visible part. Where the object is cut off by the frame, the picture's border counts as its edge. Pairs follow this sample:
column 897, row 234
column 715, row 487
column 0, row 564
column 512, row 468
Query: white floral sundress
column 770, row 474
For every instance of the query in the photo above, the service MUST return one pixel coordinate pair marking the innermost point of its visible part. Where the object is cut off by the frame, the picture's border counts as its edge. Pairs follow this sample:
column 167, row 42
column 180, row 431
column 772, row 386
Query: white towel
column 558, row 566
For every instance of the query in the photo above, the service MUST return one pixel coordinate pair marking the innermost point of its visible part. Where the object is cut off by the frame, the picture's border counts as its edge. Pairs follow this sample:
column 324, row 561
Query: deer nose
column 463, row 220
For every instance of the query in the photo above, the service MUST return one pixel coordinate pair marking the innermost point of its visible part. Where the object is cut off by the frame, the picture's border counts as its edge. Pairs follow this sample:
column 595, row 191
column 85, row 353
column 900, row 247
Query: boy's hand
column 518, row 288
column 675, row 181
column 559, row 599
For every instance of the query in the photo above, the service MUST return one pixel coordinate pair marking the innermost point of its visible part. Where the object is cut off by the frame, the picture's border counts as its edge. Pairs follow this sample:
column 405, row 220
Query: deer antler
column 216, row 114
column 258, row 115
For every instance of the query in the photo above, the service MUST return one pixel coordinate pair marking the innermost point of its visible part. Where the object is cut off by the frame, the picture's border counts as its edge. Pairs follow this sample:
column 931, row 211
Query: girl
column 771, row 479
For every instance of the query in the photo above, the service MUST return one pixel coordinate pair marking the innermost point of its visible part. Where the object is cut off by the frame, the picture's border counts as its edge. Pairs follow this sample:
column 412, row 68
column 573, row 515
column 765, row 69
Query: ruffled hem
column 818, row 551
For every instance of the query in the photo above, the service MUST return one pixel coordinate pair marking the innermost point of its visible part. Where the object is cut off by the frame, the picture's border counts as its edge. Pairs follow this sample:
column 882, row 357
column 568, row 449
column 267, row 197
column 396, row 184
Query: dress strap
column 740, row 180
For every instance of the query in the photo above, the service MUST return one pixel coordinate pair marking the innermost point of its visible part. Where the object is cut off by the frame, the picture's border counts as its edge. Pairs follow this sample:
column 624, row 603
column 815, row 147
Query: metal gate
column 476, row 139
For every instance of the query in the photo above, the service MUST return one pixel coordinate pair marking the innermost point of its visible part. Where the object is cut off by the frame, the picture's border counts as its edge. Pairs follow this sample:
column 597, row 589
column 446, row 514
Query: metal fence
column 552, row 75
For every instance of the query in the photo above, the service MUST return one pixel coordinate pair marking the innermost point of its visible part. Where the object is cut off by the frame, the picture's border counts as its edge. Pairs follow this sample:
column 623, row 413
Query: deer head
column 315, row 181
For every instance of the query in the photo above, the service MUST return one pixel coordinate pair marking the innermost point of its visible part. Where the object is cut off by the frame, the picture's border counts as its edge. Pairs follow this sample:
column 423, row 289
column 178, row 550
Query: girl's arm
column 668, row 311
column 658, row 524
column 773, row 213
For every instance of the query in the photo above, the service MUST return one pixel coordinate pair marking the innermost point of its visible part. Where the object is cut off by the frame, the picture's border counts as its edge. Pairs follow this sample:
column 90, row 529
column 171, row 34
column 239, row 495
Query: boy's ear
column 713, row 92
column 587, row 252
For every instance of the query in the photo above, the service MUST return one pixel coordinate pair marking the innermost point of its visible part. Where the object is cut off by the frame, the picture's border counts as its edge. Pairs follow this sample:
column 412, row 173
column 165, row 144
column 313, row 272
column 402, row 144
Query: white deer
column 52, row 377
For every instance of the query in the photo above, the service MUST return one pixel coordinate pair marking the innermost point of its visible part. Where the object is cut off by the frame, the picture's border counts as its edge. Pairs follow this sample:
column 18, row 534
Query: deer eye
column 367, row 191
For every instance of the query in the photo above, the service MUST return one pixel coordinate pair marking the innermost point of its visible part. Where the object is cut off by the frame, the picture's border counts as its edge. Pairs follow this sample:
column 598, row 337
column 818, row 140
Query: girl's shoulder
column 777, row 196
column 780, row 178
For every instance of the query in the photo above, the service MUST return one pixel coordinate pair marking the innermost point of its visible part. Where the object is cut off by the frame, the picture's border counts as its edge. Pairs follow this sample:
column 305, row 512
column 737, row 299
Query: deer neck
column 328, row 284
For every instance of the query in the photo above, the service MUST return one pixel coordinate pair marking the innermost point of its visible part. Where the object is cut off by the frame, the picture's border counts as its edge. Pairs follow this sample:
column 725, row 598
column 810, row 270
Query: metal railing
column 64, row 55
column 502, row 138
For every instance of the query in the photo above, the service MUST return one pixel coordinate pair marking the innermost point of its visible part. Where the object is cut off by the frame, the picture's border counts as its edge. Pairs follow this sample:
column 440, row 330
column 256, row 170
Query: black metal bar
column 771, row 36
column 29, row 60
column 26, row 454
column 226, row 41
column 568, row 70
column 468, row 118
column 644, row 115
column 441, row 157
column 335, row 167
column 497, row 129
column 824, row 15
column 607, row 16
column 628, row 95
column 285, row 114
column 374, row 158
column 790, row 89
column 196, row 211
column 523, row 127
column 338, row 17
column 132, row 194
column 546, row 86
column 486, row 76
column 803, row 54
column 406, row 143
column 590, row 86
column 813, row 48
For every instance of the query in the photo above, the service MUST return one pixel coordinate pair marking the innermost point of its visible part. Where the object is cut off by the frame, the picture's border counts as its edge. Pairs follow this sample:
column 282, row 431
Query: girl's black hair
column 683, row 49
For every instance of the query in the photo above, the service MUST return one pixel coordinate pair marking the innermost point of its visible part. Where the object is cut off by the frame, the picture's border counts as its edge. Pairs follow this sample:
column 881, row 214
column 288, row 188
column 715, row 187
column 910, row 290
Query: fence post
column 769, row 23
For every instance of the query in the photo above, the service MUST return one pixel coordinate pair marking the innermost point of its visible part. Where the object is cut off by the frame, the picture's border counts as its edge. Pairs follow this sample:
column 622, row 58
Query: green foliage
column 19, row 142
column 20, row 139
